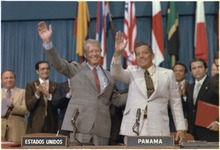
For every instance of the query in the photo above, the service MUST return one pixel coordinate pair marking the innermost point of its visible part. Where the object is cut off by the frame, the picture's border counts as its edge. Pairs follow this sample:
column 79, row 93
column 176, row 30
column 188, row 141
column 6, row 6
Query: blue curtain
column 21, row 46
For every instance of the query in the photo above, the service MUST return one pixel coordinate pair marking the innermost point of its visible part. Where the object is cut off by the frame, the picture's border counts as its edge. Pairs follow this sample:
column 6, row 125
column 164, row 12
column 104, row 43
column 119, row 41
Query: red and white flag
column 201, row 42
column 102, row 23
column 157, row 33
column 130, row 32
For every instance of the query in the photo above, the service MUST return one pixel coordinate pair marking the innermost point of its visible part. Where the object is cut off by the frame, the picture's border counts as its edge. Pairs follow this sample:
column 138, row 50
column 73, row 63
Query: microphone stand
column 73, row 120
column 137, row 122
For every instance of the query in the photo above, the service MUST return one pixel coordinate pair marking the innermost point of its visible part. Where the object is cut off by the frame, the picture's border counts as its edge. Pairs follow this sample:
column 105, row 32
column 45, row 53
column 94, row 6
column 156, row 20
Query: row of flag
column 104, row 21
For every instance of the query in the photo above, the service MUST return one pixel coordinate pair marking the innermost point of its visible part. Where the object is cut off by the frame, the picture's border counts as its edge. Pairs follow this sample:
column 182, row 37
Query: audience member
column 203, row 89
column 215, row 65
column 214, row 69
column 149, row 101
column 61, row 99
column 180, row 73
column 43, row 116
column 93, row 89
column 13, row 124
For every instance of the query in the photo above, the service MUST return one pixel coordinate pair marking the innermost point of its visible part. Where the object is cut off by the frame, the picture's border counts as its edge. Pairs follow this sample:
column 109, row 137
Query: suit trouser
column 90, row 138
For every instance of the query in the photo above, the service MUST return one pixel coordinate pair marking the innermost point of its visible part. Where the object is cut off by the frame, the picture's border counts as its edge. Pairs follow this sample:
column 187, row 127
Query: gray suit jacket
column 93, row 107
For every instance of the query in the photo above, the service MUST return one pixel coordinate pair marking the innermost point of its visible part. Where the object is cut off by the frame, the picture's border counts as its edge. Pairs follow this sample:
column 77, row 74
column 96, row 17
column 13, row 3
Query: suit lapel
column 140, row 82
column 108, row 76
column 3, row 93
column 15, row 92
column 158, row 77
column 89, row 75
column 52, row 87
column 159, row 83
column 204, row 88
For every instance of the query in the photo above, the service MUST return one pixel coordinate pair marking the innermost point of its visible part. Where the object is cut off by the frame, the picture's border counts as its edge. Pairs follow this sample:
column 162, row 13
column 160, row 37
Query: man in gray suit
column 92, row 90
column 148, row 102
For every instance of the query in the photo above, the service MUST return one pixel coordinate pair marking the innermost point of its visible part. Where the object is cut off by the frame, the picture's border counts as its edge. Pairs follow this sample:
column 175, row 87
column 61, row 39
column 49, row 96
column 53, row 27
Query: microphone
column 135, row 127
column 75, row 115
column 138, row 115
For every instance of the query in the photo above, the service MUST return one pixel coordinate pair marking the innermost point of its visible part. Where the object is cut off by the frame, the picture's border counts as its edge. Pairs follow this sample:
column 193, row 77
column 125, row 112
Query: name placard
column 150, row 141
column 42, row 141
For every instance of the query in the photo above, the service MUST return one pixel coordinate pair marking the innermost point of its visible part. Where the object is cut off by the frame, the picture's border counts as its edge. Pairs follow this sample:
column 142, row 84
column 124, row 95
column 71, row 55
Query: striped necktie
column 149, row 83
column 9, row 94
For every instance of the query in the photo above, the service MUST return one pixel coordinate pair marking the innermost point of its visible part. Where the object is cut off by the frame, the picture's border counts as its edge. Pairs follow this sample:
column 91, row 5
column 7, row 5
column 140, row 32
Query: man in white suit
column 154, row 120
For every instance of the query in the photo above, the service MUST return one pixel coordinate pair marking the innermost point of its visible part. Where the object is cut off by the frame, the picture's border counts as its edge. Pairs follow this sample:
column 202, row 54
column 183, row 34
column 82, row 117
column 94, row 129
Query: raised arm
column 116, row 68
column 45, row 32
column 120, row 44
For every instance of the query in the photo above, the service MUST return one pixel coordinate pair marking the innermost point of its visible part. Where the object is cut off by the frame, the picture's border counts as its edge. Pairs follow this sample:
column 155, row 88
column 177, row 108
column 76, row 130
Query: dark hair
column 143, row 44
column 196, row 60
column 40, row 62
column 181, row 64
column 9, row 71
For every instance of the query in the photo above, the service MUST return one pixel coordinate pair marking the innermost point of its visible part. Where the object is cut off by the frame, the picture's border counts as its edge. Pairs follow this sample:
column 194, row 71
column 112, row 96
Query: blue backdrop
column 21, row 46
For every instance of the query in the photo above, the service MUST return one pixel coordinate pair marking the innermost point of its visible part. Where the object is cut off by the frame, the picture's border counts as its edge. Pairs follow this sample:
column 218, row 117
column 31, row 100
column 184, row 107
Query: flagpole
column 111, row 24
column 173, row 60
column 88, row 18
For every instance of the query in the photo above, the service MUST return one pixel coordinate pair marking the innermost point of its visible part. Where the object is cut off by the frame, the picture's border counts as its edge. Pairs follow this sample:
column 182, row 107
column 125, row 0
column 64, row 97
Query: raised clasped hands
column 41, row 89
column 119, row 43
column 45, row 32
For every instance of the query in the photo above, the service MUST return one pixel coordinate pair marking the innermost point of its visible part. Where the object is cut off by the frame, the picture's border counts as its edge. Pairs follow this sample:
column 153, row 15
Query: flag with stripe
column 130, row 32
column 157, row 33
column 103, row 21
column 82, row 26
column 173, row 32
column 201, row 42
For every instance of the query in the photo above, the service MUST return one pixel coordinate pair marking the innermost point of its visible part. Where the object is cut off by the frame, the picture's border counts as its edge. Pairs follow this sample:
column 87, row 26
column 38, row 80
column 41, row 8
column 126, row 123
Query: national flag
column 201, row 42
column 82, row 26
column 173, row 32
column 130, row 32
column 103, row 20
column 157, row 33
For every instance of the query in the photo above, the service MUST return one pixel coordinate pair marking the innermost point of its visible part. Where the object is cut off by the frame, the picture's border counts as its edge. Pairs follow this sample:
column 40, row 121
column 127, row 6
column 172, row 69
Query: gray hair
column 86, row 42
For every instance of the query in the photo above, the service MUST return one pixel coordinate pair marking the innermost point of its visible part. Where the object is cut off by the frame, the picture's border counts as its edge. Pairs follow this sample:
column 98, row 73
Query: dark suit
column 60, row 101
column 208, row 94
column 116, row 118
column 37, row 122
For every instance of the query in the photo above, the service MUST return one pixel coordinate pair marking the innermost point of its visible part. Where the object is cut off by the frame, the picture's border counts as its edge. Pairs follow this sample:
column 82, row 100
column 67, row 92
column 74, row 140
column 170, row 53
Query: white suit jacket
column 157, row 122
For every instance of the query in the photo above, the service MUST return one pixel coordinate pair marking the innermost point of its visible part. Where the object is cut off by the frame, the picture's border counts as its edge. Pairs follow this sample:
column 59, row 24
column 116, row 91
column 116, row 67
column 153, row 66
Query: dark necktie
column 45, row 98
column 196, row 92
column 9, row 93
column 149, row 84
column 96, row 79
